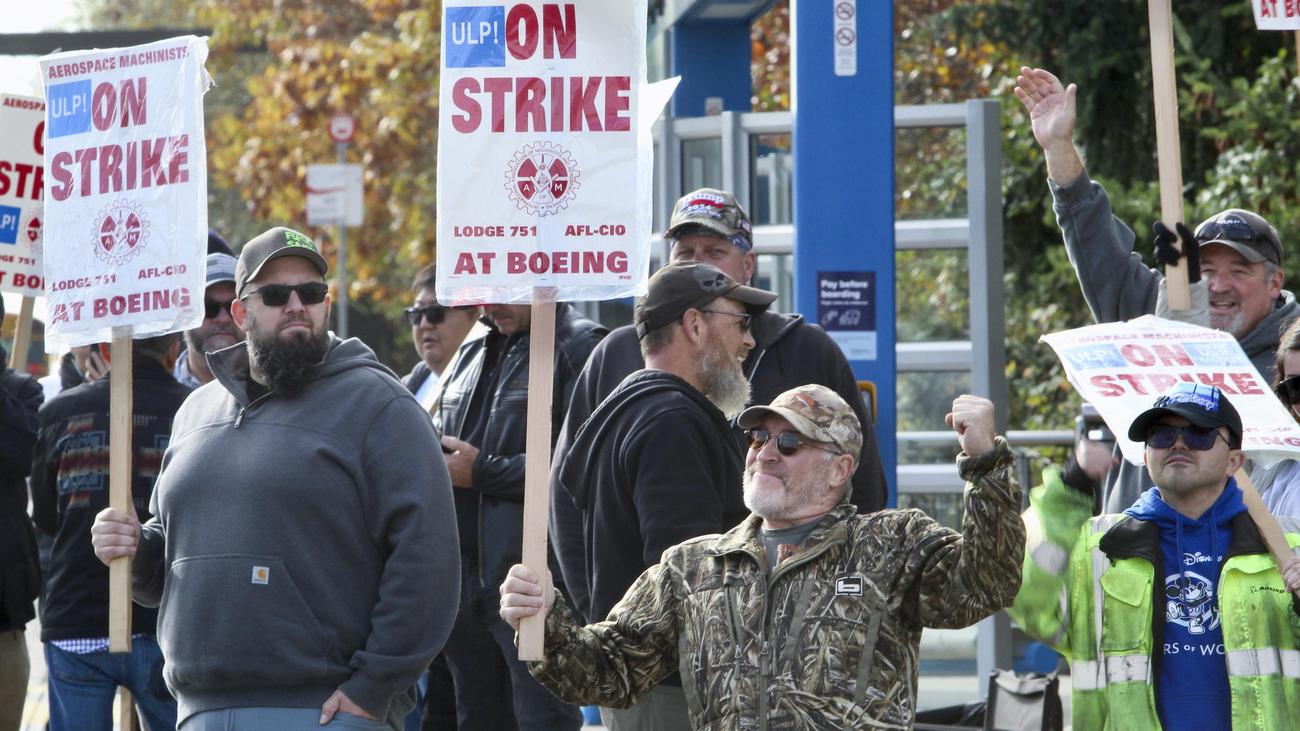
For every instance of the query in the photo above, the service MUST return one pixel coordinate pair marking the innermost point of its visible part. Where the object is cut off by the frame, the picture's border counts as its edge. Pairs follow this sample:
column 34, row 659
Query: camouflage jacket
column 828, row 641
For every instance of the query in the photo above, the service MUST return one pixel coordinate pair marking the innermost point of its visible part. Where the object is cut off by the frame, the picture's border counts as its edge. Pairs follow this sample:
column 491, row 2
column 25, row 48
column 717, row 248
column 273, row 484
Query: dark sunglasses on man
column 435, row 314
column 211, row 309
column 1289, row 390
column 787, row 442
column 1199, row 438
column 277, row 295
column 1229, row 230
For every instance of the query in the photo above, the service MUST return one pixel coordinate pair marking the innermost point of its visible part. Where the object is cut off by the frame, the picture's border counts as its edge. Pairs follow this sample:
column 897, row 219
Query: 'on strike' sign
column 125, row 190
column 544, row 153
column 1277, row 14
column 22, row 131
column 1121, row 368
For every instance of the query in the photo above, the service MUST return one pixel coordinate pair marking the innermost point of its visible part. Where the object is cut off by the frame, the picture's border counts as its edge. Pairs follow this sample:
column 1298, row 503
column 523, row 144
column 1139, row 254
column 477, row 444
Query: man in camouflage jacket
column 805, row 615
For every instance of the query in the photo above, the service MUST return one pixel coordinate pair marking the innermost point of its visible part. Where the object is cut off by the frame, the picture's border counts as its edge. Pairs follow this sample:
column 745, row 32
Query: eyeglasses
column 435, row 314
column 787, row 442
column 745, row 317
column 1200, row 438
column 1230, row 230
column 1289, row 390
column 277, row 295
column 212, row 309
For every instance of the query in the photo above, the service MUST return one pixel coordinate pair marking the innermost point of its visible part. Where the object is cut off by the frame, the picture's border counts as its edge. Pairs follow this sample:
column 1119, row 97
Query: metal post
column 342, row 148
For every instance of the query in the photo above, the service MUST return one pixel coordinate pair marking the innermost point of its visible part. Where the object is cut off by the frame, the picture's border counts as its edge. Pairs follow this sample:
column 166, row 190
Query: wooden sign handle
column 537, row 469
column 22, row 335
column 1163, row 87
column 121, row 407
column 1269, row 530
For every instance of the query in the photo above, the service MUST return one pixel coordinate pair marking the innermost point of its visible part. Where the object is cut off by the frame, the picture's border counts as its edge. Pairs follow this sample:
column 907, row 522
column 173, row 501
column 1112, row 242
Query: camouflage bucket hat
column 817, row 413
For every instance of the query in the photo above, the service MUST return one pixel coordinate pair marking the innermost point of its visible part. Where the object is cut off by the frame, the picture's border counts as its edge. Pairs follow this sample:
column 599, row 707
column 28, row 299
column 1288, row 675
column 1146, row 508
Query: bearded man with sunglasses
column 806, row 615
column 1173, row 614
column 303, row 543
column 1235, row 253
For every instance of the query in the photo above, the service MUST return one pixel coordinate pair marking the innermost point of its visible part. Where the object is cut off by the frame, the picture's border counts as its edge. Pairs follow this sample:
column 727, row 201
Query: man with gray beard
column 218, row 329
column 655, row 463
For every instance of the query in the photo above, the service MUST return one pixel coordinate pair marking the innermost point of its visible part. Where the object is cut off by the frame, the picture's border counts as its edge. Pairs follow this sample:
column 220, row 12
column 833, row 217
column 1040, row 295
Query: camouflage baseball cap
column 273, row 244
column 814, row 411
column 716, row 210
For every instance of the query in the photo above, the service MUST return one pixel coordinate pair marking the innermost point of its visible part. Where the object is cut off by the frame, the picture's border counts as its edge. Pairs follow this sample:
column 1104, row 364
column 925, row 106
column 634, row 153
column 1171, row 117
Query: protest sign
column 544, row 151
column 126, row 217
column 1276, row 14
column 1121, row 368
column 22, row 173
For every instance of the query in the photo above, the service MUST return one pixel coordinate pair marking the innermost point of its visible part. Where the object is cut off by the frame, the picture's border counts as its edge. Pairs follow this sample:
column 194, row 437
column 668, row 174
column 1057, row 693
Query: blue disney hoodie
column 1192, row 689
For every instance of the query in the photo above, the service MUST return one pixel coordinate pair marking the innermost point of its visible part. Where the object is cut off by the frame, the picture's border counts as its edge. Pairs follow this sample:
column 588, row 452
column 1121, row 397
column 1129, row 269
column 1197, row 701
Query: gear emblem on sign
column 120, row 232
column 542, row 178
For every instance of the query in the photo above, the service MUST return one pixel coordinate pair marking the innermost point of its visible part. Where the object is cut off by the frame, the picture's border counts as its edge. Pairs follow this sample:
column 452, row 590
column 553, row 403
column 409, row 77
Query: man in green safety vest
column 1172, row 614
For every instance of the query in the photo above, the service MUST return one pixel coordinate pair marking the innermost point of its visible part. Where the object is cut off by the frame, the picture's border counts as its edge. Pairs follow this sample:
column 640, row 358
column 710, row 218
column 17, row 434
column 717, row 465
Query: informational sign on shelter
column 126, row 195
column 846, row 310
column 544, row 150
column 1121, row 368
column 22, row 173
column 1277, row 14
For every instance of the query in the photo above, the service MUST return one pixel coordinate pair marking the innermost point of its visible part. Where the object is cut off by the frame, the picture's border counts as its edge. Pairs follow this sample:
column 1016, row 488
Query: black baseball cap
column 1245, row 232
column 1204, row 406
column 686, row 285
column 273, row 244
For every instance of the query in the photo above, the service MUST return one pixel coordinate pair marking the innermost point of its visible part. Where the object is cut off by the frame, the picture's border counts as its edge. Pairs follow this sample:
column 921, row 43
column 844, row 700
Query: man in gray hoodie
column 1240, row 256
column 303, row 546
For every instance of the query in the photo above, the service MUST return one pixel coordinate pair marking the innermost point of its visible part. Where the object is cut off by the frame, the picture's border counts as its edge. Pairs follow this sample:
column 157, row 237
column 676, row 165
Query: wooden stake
column 1269, row 530
column 537, row 469
column 119, row 485
column 22, row 335
column 1160, row 15
column 125, row 710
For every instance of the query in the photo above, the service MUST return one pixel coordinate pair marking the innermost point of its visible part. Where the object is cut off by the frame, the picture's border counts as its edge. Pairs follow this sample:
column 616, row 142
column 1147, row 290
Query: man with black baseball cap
column 303, row 533
column 218, row 329
column 656, row 463
column 1173, row 614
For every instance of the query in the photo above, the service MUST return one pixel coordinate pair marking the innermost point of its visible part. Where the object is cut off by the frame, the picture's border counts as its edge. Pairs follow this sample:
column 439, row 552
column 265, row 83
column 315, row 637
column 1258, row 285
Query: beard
column 1231, row 324
column 203, row 340
column 723, row 382
column 284, row 366
column 792, row 500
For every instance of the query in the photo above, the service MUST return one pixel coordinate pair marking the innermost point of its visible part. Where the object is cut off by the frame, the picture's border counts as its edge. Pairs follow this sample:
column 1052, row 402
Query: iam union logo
column 121, row 230
column 542, row 178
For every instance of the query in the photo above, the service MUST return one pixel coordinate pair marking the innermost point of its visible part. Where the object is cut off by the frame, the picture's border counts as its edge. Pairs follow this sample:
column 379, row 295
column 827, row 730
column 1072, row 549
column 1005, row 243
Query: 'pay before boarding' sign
column 1121, row 368
column 543, row 151
column 125, row 190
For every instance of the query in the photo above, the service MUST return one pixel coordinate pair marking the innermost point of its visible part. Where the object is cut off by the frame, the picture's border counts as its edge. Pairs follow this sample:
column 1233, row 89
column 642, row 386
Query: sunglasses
column 787, row 442
column 1289, row 390
column 277, row 295
column 745, row 317
column 435, row 314
column 1200, row 438
column 1231, row 230
column 212, row 309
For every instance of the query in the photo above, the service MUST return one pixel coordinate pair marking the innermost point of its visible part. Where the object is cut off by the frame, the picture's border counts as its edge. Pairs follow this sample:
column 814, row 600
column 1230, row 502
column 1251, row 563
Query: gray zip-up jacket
column 301, row 545
column 1117, row 286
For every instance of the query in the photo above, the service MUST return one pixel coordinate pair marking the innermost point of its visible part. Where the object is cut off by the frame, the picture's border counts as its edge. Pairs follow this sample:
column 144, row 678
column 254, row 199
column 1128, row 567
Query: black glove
column 1166, row 254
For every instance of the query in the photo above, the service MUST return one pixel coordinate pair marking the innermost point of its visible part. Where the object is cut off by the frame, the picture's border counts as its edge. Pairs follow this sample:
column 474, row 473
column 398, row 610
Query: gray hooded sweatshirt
column 1117, row 286
column 301, row 545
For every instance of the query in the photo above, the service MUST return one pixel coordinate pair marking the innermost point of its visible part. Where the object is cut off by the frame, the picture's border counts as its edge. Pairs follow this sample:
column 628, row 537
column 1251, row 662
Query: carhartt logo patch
column 261, row 575
column 848, row 586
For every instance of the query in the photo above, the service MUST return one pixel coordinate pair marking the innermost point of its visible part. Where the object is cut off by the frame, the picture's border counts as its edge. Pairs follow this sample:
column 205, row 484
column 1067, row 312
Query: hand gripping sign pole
column 537, row 445
column 121, row 407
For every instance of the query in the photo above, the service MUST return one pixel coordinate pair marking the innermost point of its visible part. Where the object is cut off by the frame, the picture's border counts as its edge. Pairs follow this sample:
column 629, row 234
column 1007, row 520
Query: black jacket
column 416, row 378
column 653, row 466
column 20, row 573
column 788, row 352
column 496, row 500
column 70, row 486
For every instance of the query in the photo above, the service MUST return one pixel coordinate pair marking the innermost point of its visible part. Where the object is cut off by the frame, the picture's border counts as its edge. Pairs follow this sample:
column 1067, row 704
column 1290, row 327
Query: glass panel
column 771, row 182
column 924, row 398
column 931, row 287
column 701, row 163
column 775, row 273
column 930, row 172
